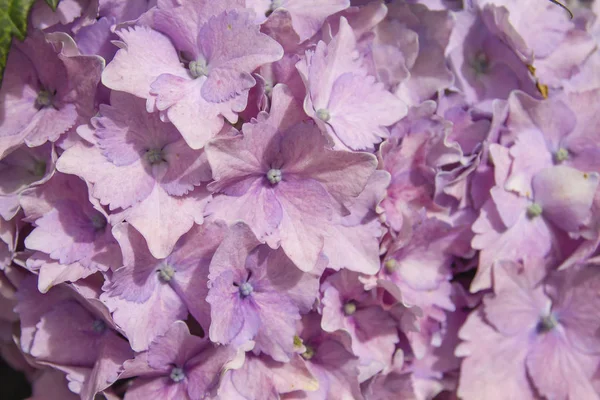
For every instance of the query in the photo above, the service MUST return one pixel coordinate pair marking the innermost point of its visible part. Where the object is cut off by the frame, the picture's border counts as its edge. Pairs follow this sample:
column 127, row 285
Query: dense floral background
column 301, row 199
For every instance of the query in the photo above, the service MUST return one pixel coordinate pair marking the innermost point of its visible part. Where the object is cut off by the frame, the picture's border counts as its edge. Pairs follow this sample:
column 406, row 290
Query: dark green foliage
column 52, row 4
column 13, row 22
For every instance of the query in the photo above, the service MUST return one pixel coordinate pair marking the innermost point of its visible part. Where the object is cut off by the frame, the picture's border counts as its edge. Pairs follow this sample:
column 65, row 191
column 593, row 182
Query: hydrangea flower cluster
column 303, row 199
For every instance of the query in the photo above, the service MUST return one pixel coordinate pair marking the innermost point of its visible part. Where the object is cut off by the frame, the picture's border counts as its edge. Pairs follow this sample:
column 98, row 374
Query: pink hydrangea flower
column 49, row 88
column 177, row 366
column 301, row 199
column 160, row 291
column 257, row 293
column 141, row 165
column 535, row 335
column 222, row 46
column 21, row 169
column 280, row 178
column 337, row 85
column 349, row 307
column 306, row 17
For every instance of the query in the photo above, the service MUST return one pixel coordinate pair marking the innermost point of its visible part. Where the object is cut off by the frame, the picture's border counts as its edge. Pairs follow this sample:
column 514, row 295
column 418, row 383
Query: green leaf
column 13, row 22
column 53, row 4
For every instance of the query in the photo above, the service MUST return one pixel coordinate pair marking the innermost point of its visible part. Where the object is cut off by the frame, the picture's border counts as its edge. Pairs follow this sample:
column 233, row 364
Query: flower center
column 274, row 176
column 44, row 99
column 268, row 87
column 166, row 273
column 99, row 326
column 177, row 374
column 561, row 155
column 39, row 169
column 275, row 4
column 323, row 114
column 246, row 289
column 546, row 324
column 390, row 265
column 198, row 68
column 155, row 156
column 350, row 308
column 534, row 210
column 297, row 341
column 98, row 221
column 309, row 353
column 481, row 63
